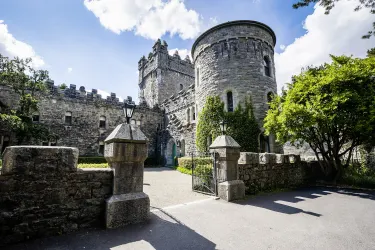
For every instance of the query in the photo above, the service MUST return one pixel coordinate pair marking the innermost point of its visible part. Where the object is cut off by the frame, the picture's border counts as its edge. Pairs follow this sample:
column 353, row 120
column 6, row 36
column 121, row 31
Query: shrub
column 93, row 165
column 186, row 162
column 91, row 160
column 183, row 170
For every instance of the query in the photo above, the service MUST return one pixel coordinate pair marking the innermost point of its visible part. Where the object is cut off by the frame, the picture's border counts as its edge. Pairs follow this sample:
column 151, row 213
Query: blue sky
column 97, row 44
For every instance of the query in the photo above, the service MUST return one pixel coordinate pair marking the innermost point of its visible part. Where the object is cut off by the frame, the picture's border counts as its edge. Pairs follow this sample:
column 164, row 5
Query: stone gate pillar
column 228, row 152
column 126, row 151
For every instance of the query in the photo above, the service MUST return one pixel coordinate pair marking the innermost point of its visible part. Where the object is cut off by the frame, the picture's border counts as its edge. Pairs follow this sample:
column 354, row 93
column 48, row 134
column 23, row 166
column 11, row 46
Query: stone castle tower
column 235, row 60
column 162, row 75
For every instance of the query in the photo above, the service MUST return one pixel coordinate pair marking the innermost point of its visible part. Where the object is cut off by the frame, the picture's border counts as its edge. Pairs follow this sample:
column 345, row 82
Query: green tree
column 26, row 82
column 209, row 122
column 371, row 52
column 63, row 86
column 330, row 4
column 331, row 107
column 242, row 125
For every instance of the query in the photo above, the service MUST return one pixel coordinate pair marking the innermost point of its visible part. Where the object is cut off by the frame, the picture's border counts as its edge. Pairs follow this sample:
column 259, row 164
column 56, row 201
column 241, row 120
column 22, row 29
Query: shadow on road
column 163, row 231
column 271, row 201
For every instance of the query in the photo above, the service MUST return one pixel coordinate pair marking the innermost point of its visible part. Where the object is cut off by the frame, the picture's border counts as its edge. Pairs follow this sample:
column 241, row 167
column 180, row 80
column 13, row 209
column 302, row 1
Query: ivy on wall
column 242, row 125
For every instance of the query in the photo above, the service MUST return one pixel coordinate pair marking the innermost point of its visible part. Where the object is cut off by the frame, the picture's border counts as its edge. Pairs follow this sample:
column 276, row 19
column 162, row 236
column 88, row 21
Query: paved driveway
column 168, row 187
column 303, row 219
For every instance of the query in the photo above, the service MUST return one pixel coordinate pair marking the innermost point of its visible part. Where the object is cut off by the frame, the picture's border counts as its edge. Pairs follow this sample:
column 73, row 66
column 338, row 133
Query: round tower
column 235, row 60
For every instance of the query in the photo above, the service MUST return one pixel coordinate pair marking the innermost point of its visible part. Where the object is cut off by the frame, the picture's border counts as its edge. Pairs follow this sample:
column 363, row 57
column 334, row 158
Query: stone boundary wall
column 42, row 193
column 265, row 171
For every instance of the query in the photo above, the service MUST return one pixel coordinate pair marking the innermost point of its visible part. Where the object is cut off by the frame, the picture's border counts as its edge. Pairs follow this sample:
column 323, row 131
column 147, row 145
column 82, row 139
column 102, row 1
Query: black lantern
column 223, row 127
column 129, row 107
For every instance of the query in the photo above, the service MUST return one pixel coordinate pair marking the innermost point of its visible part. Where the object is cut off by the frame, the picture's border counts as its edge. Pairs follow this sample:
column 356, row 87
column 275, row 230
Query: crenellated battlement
column 81, row 95
column 160, row 58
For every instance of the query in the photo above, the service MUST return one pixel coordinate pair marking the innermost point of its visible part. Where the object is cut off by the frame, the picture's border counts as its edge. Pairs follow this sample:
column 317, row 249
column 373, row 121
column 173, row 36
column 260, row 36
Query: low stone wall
column 266, row 171
column 42, row 193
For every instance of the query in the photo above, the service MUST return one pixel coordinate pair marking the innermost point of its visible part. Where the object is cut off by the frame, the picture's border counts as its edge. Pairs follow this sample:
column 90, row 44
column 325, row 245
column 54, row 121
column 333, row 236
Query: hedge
column 186, row 162
column 91, row 160
column 150, row 161
column 93, row 165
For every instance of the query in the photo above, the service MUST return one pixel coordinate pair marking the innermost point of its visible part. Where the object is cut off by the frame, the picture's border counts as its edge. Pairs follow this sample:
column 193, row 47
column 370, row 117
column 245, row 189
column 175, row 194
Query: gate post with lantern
column 227, row 151
column 126, row 151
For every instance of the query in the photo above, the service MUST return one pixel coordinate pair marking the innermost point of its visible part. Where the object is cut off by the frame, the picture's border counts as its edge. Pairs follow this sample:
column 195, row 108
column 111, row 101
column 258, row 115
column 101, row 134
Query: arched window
column 102, row 121
column 269, row 97
column 230, row 101
column 36, row 117
column 101, row 148
column 188, row 115
column 68, row 118
column 267, row 66
column 181, row 87
column 193, row 113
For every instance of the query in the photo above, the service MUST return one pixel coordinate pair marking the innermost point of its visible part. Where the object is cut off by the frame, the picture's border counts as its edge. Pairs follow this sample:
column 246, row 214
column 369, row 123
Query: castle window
column 101, row 148
column 193, row 113
column 53, row 143
column 133, row 122
column 139, row 123
column 36, row 117
column 230, row 101
column 188, row 115
column 102, row 121
column 197, row 77
column 181, row 87
column 267, row 66
column 68, row 118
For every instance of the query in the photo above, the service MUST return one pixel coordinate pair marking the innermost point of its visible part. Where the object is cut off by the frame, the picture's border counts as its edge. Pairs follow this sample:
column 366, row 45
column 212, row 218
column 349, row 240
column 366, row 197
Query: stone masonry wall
column 86, row 109
column 266, row 171
column 180, row 122
column 42, row 193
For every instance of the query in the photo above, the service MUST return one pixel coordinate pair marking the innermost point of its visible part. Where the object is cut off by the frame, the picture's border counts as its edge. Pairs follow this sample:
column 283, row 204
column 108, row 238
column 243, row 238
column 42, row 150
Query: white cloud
column 182, row 52
column 338, row 33
column 282, row 47
column 70, row 70
column 104, row 95
column 11, row 47
column 147, row 18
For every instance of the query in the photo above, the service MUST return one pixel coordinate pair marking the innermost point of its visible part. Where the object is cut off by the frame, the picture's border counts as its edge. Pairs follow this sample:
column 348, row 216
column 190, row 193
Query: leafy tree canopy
column 331, row 107
column 371, row 52
column 242, row 125
column 330, row 4
column 26, row 82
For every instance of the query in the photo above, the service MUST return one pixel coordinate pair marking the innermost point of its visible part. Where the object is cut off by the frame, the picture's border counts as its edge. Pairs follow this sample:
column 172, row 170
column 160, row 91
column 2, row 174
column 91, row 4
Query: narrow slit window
column 68, row 118
column 230, row 101
column 267, row 66
column 102, row 122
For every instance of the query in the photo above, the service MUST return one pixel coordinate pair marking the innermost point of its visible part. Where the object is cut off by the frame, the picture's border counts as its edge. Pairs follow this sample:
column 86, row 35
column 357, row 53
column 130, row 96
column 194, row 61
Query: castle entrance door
column 174, row 152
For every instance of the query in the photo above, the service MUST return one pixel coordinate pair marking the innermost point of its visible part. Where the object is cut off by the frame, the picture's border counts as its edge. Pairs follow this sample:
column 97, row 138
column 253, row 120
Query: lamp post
column 223, row 127
column 129, row 107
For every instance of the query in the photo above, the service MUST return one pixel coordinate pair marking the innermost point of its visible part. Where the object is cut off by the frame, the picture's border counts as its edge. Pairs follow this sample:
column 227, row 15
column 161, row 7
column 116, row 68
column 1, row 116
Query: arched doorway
column 264, row 143
column 174, row 152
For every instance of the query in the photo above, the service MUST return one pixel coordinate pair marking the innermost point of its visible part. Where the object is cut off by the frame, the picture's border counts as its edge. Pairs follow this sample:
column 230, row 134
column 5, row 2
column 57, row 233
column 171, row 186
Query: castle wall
column 180, row 127
column 86, row 110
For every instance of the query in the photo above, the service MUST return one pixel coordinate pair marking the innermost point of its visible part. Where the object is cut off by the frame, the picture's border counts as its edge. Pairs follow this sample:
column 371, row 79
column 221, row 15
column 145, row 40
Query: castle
column 232, row 60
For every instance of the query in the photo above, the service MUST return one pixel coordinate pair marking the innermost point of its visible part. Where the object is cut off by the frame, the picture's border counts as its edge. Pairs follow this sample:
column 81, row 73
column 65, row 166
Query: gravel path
column 168, row 187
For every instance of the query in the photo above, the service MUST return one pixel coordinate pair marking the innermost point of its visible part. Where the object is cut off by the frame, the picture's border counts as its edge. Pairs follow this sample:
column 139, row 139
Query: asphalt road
column 304, row 219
